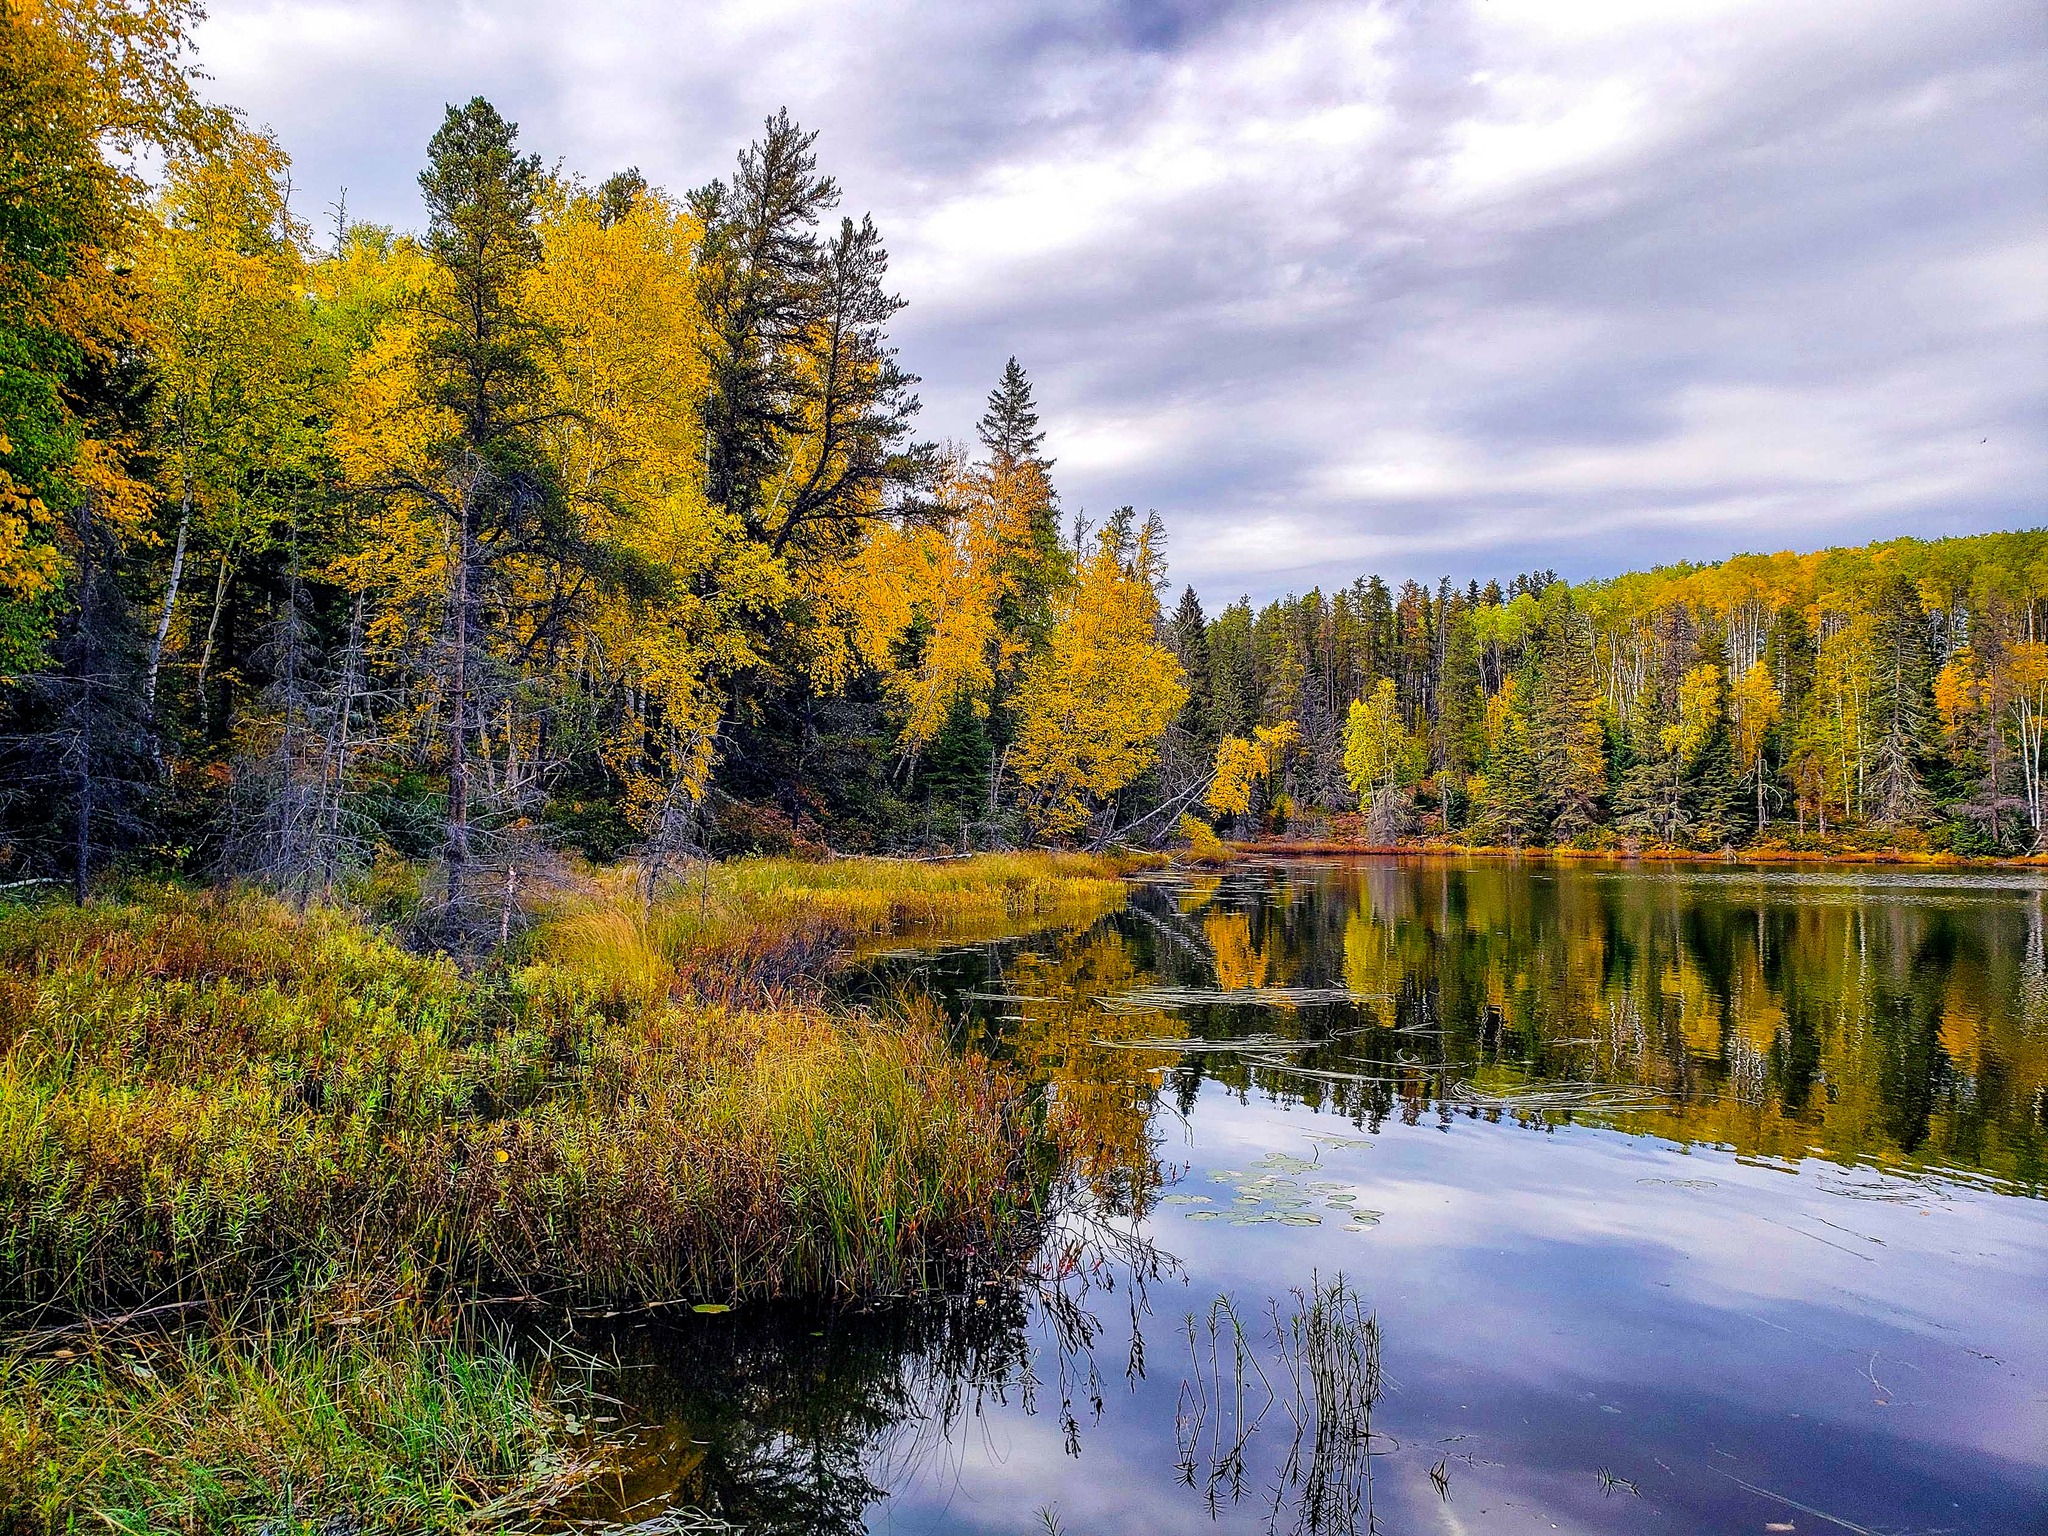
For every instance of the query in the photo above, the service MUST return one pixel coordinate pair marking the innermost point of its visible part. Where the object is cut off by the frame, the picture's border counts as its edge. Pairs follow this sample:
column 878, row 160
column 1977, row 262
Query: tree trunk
column 163, row 622
column 458, row 751
column 220, row 590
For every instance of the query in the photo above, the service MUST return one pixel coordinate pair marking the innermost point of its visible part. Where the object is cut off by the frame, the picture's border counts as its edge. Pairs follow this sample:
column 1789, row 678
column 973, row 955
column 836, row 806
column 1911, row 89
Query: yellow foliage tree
column 1754, row 706
column 1094, row 704
column 239, row 382
column 1241, row 765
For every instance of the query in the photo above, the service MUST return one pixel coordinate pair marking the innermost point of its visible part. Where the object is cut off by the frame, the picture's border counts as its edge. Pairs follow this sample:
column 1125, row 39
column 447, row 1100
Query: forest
column 594, row 518
column 1886, row 696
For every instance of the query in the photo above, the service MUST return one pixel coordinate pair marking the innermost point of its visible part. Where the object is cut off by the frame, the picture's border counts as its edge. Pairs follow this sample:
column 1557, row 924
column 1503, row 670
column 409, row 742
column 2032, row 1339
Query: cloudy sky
column 1437, row 286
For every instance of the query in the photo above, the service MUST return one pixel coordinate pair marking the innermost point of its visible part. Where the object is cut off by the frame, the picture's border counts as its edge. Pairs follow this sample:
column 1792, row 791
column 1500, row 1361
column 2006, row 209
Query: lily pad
column 712, row 1307
column 1183, row 1199
column 1283, row 1163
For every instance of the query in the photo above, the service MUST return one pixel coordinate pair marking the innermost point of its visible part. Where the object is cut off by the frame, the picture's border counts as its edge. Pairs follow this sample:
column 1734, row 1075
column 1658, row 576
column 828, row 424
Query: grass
column 287, row 1429
column 208, row 1097
column 203, row 1093
column 754, row 928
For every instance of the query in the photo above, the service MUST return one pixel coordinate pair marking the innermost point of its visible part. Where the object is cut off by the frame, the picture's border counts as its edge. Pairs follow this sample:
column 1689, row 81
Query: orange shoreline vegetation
column 1285, row 847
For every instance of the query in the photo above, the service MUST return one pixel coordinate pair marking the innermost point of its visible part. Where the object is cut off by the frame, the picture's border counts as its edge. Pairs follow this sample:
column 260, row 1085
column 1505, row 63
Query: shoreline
column 1286, row 848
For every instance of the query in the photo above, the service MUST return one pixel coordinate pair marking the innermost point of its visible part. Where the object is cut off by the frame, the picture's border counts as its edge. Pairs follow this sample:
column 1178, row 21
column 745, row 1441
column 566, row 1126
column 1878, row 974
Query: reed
column 282, row 1427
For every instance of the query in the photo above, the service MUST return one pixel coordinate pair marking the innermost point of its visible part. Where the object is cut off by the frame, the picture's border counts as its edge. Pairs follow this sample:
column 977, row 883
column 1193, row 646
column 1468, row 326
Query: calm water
column 1682, row 1199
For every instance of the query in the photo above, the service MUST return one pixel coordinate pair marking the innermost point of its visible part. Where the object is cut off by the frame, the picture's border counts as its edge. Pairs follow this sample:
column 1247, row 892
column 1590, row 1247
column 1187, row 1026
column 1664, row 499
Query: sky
column 1462, row 287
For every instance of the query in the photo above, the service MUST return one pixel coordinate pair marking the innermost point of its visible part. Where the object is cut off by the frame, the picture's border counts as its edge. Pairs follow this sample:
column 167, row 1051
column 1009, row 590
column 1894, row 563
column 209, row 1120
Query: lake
column 1419, row 1196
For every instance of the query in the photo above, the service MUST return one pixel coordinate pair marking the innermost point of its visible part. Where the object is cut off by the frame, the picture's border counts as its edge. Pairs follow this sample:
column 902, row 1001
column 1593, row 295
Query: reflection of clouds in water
column 1631, row 1275
column 1521, row 1227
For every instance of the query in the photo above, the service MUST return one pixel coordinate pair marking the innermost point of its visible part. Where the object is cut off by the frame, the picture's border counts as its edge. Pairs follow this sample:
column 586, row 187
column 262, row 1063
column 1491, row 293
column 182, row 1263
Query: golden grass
column 751, row 927
column 200, row 1093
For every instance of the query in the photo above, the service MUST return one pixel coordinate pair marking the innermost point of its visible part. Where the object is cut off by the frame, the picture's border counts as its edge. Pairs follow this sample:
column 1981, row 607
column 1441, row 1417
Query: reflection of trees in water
column 1859, row 1024
column 787, row 1419
column 795, row 1420
column 1782, row 1018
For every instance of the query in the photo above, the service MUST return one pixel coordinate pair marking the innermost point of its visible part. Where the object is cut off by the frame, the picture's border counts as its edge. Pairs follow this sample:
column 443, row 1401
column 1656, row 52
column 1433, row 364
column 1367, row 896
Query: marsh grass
column 215, row 1107
column 202, row 1093
column 284, row 1428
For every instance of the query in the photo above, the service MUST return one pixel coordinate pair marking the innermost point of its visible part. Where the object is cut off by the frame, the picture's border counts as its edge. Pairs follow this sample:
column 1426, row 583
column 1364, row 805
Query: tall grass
column 753, row 927
column 284, row 1429
column 206, row 1096
column 203, row 1093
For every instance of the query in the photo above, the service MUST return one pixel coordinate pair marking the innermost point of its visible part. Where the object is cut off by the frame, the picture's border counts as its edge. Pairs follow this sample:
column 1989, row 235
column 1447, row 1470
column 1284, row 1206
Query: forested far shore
column 1886, row 696
column 591, row 519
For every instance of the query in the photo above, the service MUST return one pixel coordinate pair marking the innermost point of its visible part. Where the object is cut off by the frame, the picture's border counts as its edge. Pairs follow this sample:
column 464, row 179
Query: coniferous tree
column 1461, row 736
column 1236, row 696
column 1188, row 635
column 1009, row 427
column 484, row 360
column 1566, row 738
column 1038, row 565
column 807, row 411
column 1901, row 683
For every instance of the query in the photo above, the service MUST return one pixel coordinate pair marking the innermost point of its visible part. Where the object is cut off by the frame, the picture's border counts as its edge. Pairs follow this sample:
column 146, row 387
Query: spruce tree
column 1566, row 737
column 1188, row 635
column 1009, row 427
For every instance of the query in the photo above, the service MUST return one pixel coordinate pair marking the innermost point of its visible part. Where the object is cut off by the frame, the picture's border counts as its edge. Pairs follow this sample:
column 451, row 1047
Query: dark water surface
column 1679, row 1199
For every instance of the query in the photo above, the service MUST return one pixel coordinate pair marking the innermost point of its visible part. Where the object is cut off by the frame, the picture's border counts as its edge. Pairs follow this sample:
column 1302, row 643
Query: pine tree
column 807, row 411
column 1188, row 635
column 1009, row 427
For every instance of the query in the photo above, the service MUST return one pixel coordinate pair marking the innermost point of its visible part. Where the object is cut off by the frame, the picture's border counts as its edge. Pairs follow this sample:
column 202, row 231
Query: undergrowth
column 214, row 1106
column 287, row 1429
column 206, row 1092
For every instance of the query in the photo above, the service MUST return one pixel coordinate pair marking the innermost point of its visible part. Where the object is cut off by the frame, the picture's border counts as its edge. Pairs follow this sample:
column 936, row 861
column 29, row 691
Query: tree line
column 595, row 517
column 1889, row 694
column 589, row 516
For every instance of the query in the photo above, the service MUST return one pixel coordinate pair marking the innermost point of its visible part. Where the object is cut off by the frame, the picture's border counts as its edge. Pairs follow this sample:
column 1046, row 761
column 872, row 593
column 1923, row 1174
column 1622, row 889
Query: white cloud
column 1468, row 286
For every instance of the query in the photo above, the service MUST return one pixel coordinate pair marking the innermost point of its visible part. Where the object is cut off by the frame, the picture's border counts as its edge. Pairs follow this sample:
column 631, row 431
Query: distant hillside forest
column 592, row 517
column 1884, row 696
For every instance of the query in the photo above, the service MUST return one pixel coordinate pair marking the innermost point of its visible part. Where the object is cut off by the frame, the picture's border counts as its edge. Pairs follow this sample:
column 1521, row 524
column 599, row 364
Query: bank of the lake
column 258, row 1165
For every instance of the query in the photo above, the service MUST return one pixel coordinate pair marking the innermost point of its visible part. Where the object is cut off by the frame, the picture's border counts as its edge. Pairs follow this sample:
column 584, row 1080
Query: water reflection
column 1721, row 1229
column 1894, row 1019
